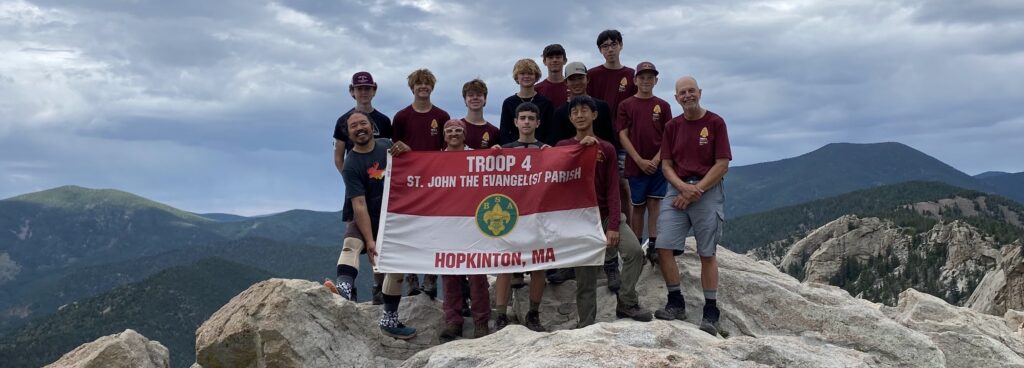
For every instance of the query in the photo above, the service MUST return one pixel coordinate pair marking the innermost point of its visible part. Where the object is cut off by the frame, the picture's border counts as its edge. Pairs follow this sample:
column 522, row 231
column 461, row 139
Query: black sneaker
column 413, row 283
column 561, row 275
column 709, row 323
column 611, row 271
column 671, row 312
column 533, row 321
column 500, row 322
column 708, row 326
column 634, row 311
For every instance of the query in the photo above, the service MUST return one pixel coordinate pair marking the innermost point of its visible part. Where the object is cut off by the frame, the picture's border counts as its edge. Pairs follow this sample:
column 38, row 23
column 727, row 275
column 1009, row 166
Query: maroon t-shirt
column 693, row 146
column 645, row 118
column 420, row 131
column 480, row 136
column 612, row 86
column 606, row 179
column 558, row 93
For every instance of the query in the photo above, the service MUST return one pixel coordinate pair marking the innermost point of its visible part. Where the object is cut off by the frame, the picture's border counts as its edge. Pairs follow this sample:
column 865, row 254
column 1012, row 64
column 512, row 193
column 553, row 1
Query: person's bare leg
column 669, row 268
column 637, row 221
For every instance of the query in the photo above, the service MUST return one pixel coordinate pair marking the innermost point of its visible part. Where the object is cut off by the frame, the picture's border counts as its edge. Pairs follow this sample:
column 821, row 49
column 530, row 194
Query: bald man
column 695, row 156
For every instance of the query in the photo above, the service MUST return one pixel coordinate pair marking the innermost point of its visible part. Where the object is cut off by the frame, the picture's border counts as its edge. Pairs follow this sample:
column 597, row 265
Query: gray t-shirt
column 364, row 176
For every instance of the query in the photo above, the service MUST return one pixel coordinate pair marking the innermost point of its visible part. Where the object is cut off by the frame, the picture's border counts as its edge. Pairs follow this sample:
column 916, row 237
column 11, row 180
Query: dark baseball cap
column 646, row 66
column 362, row 79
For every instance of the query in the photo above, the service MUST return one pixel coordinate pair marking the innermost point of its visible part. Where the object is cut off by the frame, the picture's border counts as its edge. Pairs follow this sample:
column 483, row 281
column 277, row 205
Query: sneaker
column 671, row 312
column 709, row 323
column 451, row 331
column 709, row 326
column 414, row 284
column 518, row 281
column 652, row 254
column 611, row 271
column 400, row 331
column 500, row 322
column 561, row 275
column 430, row 286
column 635, row 312
column 378, row 295
column 533, row 321
column 480, row 330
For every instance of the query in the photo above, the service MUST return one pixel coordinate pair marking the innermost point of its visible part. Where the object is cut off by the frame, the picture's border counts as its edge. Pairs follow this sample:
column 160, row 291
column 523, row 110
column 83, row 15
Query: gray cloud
column 228, row 106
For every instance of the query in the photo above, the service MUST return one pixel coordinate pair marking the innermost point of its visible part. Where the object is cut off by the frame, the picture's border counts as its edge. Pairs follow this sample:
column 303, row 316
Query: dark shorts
column 705, row 218
column 645, row 186
column 622, row 162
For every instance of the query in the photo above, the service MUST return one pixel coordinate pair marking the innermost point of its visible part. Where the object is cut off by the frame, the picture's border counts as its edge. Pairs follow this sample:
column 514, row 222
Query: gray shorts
column 706, row 218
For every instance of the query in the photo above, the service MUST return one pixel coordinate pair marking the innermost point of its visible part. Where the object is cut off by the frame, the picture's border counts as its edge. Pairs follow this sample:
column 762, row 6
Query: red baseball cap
column 362, row 79
column 645, row 66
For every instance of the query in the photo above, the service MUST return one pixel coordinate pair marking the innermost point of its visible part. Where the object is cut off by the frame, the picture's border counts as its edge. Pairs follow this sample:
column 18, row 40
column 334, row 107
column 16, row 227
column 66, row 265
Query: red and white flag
column 490, row 211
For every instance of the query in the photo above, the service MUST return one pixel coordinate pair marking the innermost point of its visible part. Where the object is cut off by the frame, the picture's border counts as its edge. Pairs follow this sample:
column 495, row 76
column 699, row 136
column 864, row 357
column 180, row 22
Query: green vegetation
column 887, row 202
column 167, row 307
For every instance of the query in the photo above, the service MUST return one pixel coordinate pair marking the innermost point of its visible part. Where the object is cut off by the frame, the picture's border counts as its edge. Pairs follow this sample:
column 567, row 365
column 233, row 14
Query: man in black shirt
column 362, row 89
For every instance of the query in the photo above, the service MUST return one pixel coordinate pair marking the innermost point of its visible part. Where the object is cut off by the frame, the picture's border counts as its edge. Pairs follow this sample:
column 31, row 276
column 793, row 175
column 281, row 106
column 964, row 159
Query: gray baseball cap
column 574, row 68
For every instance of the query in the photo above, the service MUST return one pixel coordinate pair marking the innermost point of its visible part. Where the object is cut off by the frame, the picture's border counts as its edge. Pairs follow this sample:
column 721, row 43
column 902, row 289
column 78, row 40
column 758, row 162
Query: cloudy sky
column 228, row 106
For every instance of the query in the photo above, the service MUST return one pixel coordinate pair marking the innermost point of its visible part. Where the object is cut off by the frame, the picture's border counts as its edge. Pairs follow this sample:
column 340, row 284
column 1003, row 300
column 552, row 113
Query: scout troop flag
column 490, row 211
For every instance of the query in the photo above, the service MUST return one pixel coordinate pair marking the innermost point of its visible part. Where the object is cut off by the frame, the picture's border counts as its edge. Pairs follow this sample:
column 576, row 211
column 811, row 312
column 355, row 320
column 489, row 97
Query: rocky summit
column 771, row 319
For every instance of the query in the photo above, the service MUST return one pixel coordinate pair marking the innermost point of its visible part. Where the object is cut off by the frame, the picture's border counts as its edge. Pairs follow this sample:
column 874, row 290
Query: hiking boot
column 635, row 312
column 652, row 254
column 671, row 312
column 480, row 330
column 413, row 283
column 708, row 326
column 451, row 331
column 500, row 322
column 399, row 331
column 518, row 281
column 378, row 295
column 611, row 271
column 533, row 321
column 561, row 275
column 709, row 323
column 430, row 286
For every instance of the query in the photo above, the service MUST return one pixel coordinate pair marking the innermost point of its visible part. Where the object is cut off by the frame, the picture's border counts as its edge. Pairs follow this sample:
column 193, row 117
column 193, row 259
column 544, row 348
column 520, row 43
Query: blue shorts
column 622, row 162
column 705, row 218
column 645, row 186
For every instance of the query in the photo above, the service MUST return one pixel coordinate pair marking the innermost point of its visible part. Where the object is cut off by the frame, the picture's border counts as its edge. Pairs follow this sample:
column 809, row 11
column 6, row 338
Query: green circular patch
column 497, row 215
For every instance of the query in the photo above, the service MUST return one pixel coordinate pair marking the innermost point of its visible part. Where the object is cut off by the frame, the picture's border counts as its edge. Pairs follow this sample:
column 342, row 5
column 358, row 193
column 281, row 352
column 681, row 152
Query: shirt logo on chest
column 703, row 136
column 656, row 116
column 433, row 127
column 375, row 172
column 485, row 140
column 622, row 84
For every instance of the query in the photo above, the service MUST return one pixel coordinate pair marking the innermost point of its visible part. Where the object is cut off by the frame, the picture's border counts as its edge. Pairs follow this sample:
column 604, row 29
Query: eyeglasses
column 453, row 130
column 608, row 45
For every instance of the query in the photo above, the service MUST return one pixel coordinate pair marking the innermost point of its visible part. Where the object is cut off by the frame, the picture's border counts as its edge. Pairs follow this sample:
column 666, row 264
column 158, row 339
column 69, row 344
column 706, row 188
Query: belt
column 692, row 179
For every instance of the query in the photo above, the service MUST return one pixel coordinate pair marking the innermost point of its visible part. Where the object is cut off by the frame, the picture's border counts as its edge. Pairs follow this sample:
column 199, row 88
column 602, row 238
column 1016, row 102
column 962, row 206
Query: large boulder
column 127, row 349
column 298, row 323
column 966, row 338
column 633, row 344
column 1002, row 288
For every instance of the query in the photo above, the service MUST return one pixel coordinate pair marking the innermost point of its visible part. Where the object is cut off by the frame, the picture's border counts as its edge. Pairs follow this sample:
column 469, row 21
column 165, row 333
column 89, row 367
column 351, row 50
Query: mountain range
column 69, row 253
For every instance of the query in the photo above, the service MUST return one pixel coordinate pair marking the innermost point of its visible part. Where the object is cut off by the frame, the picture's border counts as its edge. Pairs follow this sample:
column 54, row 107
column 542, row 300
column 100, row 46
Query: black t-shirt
column 603, row 127
column 518, row 144
column 381, row 127
column 507, row 127
column 364, row 176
